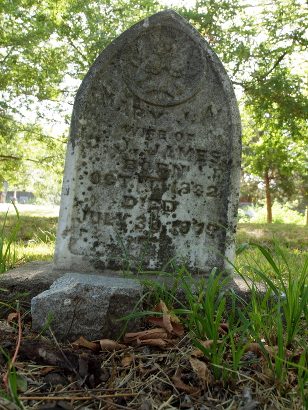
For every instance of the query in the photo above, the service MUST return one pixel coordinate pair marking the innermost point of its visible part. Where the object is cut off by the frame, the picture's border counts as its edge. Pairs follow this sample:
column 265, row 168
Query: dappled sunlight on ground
column 34, row 251
column 32, row 210
column 291, row 235
column 257, row 233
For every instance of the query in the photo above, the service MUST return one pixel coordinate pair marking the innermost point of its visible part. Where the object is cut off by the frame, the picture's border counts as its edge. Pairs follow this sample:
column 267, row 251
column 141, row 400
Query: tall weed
column 289, row 287
column 206, row 304
column 7, row 242
column 277, row 319
column 15, row 383
column 270, row 326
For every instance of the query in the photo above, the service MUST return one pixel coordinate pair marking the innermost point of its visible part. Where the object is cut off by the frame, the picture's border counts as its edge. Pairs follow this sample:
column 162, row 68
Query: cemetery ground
column 217, row 351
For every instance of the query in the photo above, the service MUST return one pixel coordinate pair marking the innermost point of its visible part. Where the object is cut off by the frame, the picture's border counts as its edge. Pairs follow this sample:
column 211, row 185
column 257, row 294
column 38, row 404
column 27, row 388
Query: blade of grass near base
column 7, row 242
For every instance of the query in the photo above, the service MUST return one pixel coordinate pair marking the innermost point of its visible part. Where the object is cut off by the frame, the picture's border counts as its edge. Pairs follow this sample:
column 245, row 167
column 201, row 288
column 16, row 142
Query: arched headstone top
column 164, row 65
column 153, row 162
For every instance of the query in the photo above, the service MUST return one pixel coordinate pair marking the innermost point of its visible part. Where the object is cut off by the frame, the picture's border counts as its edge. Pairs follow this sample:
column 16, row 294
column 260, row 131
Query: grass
column 264, row 339
column 290, row 289
column 33, row 210
column 8, row 237
column 36, row 234
column 291, row 236
column 35, row 239
column 271, row 326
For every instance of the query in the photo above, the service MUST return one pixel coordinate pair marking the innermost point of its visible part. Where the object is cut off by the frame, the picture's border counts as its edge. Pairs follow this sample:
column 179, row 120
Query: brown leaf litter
column 154, row 368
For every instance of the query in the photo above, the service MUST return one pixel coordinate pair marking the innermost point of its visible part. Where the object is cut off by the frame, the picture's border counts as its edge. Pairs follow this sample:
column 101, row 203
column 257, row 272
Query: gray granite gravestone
column 153, row 160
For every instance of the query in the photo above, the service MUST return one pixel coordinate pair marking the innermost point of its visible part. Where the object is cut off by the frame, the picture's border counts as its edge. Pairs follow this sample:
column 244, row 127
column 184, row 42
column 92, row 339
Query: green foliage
column 262, row 45
column 47, row 47
column 275, row 144
column 16, row 384
column 27, row 26
column 32, row 228
column 272, row 322
column 8, row 255
column 29, row 158
column 87, row 28
column 32, row 69
column 205, row 313
column 274, row 127
column 35, row 238
column 274, row 319
column 290, row 291
column 229, row 30
column 43, row 46
column 206, row 304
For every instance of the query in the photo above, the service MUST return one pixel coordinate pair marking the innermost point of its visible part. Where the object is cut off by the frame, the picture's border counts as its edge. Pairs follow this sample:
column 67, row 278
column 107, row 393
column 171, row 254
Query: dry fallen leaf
column 205, row 343
column 201, row 369
column 5, row 328
column 168, row 320
column 127, row 360
column 83, row 342
column 180, row 385
column 223, row 328
column 161, row 307
column 111, row 345
column 47, row 369
column 153, row 342
column 272, row 350
column 43, row 352
column 158, row 321
column 255, row 348
column 177, row 328
column 157, row 333
column 12, row 316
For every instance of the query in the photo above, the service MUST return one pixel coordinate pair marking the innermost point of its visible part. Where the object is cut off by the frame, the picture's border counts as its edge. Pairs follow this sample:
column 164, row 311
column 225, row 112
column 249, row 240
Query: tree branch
column 14, row 158
column 77, row 49
column 239, row 83
column 32, row 132
column 9, row 157
column 279, row 59
column 8, row 55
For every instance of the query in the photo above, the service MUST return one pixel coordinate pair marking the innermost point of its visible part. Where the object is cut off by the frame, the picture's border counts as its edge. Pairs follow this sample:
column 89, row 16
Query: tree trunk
column 306, row 223
column 268, row 197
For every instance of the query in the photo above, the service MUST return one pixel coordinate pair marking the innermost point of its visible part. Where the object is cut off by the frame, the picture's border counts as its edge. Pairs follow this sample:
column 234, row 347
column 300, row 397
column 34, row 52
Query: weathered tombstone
column 151, row 175
column 153, row 161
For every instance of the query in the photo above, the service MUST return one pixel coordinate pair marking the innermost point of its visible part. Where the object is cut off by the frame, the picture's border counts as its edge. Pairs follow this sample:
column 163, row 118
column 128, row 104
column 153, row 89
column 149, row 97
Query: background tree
column 29, row 76
column 276, row 148
column 262, row 44
column 46, row 48
column 275, row 144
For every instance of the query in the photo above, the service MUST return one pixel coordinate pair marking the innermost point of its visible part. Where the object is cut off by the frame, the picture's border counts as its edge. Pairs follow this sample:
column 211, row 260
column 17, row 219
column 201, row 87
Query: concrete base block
column 86, row 305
